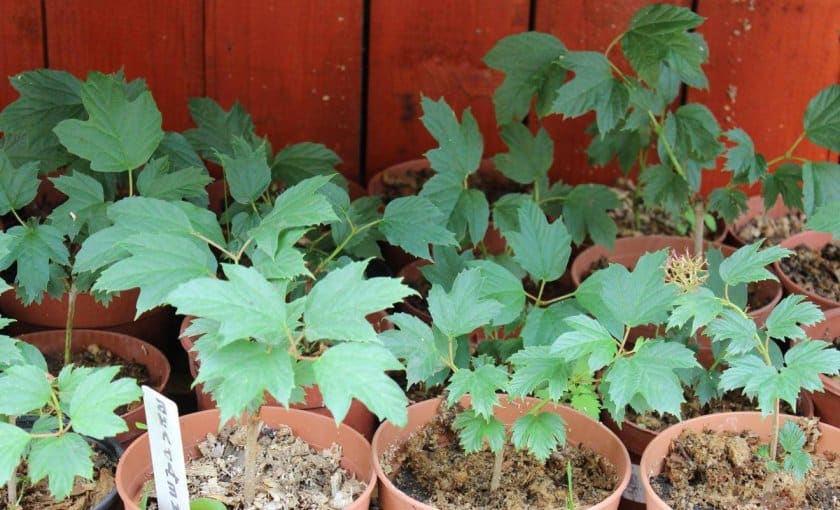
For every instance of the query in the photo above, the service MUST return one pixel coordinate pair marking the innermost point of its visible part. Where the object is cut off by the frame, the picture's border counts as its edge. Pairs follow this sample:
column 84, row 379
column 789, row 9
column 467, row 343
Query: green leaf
column 700, row 306
column 658, row 34
column 648, row 380
column 593, row 88
column 47, row 151
column 661, row 186
column 587, row 340
column 529, row 157
column 728, row 203
column 540, row 247
column 460, row 144
column 540, row 434
column 33, row 248
column 353, row 370
column 464, row 308
column 240, row 372
column 246, row 306
column 475, row 429
column 158, row 264
column 694, row 135
column 338, row 304
column 414, row 342
column 24, row 388
column 157, row 181
column 18, row 186
column 798, row 463
column 217, row 128
column 481, row 384
column 120, row 134
column 180, row 153
column 401, row 227
column 783, row 181
column 47, row 97
column 826, row 219
column 363, row 211
column 587, row 403
column 808, row 358
column 791, row 311
column 60, row 459
column 95, row 399
column 300, row 161
column 85, row 204
column 13, row 442
column 206, row 504
column 529, row 61
column 471, row 214
column 731, row 326
column 499, row 284
column 623, row 144
column 448, row 263
column 822, row 118
column 536, row 367
column 820, row 185
column 585, row 212
column 748, row 264
column 791, row 437
column 544, row 325
column 742, row 160
column 506, row 211
column 246, row 170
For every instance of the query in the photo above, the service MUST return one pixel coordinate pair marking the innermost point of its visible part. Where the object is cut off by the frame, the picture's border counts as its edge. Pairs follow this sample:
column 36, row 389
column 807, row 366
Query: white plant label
column 635, row 491
column 167, row 451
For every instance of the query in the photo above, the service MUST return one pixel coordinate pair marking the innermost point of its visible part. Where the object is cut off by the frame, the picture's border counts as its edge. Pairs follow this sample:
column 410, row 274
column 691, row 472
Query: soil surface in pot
column 435, row 470
column 774, row 230
column 817, row 271
column 732, row 401
column 396, row 185
column 85, row 494
column 95, row 356
column 291, row 473
column 722, row 471
column 651, row 221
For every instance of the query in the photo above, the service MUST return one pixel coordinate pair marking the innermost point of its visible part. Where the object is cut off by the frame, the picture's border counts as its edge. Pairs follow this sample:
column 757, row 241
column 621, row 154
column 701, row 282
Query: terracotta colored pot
column 127, row 347
column 755, row 208
column 814, row 240
column 654, row 455
column 135, row 467
column 827, row 402
column 580, row 430
column 358, row 417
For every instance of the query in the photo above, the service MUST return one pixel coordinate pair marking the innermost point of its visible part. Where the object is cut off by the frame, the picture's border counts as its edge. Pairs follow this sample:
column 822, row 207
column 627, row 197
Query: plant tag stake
column 167, row 451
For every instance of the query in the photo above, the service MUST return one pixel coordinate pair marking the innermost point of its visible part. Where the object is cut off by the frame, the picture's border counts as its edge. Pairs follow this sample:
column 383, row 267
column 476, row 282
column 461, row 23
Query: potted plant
column 55, row 429
column 755, row 365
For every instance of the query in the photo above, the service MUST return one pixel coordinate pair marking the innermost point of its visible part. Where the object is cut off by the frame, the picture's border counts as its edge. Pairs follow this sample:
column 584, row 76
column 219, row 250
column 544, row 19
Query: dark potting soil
column 435, row 470
column 722, row 471
column 817, row 271
column 774, row 230
column 396, row 185
column 85, row 494
column 290, row 473
column 95, row 356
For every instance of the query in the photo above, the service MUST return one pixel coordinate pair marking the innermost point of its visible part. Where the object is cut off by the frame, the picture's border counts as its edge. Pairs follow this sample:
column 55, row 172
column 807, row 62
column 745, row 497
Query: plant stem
column 251, row 447
column 18, row 218
column 540, row 293
column 228, row 253
column 72, row 292
column 657, row 127
column 699, row 225
column 497, row 469
column 130, row 182
column 353, row 232
column 11, row 485
column 558, row 298
column 774, row 434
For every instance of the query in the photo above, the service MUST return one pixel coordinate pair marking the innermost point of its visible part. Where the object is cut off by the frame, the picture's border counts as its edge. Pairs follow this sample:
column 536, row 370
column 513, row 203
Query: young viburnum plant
column 633, row 110
column 754, row 359
column 78, row 403
column 121, row 135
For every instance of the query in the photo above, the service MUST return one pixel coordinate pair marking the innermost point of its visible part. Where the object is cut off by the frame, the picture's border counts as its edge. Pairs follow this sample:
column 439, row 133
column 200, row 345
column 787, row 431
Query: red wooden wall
column 348, row 73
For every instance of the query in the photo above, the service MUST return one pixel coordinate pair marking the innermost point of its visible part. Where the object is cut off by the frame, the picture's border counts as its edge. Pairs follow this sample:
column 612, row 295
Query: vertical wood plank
column 434, row 47
column 295, row 65
column 159, row 40
column 583, row 25
column 23, row 42
column 767, row 60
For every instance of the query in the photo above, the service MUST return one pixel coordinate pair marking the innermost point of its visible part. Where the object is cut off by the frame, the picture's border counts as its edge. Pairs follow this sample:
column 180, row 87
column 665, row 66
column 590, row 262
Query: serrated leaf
column 120, row 134
column 482, row 384
column 536, row 367
column 475, row 429
column 700, row 307
column 727, row 203
column 217, row 128
column 742, row 160
column 471, row 215
column 587, row 403
column 499, row 284
column 300, row 161
column 588, row 340
column 791, row 437
column 786, row 316
column 529, row 157
column 748, row 264
column 593, row 88
column 506, row 211
column 157, row 181
column 540, row 247
column 13, row 442
column 822, row 118
column 413, row 341
column 95, row 399
column 462, row 309
column 246, row 305
column 662, row 186
column 353, row 370
column 544, row 325
column 401, row 227
column 60, row 459
column 540, row 434
column 808, row 358
column 826, row 219
column 246, row 170
column 448, row 263
column 783, row 181
column 33, row 249
column 47, row 97
column 177, row 149
column 529, row 61
column 585, row 213
column 47, row 151
column 460, row 144
column 820, row 185
column 85, row 204
column 24, row 388
column 740, row 331
column 18, row 186
column 798, row 463
column 694, row 135
column 623, row 144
